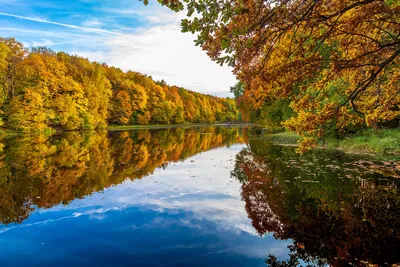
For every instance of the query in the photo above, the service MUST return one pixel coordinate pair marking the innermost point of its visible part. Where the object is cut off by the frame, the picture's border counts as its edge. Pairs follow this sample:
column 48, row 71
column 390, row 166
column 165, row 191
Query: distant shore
column 166, row 126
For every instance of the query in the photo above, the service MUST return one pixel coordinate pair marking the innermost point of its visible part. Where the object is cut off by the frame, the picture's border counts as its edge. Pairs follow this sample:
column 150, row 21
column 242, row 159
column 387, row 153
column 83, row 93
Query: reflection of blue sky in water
column 191, row 213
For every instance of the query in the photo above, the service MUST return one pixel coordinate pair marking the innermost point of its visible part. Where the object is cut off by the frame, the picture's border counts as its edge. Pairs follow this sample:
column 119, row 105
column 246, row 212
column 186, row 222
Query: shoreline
column 378, row 143
column 168, row 126
column 111, row 128
column 374, row 143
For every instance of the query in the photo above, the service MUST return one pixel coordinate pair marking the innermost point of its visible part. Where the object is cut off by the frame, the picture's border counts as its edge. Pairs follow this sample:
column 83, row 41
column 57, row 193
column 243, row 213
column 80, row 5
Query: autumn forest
column 200, row 133
column 320, row 69
column 42, row 90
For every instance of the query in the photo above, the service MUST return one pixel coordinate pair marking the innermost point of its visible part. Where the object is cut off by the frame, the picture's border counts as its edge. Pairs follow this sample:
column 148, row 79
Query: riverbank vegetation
column 383, row 141
column 41, row 90
column 321, row 69
column 369, row 141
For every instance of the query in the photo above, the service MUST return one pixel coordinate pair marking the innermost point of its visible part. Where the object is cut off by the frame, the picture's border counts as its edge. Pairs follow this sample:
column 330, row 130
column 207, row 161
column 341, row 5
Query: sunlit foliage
column 41, row 90
column 336, row 62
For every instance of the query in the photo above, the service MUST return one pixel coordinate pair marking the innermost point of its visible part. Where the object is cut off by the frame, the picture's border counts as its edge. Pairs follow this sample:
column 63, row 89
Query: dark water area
column 199, row 196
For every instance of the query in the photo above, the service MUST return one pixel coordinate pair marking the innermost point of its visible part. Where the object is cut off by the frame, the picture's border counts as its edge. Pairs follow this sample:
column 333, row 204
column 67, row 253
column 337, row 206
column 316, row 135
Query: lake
column 193, row 196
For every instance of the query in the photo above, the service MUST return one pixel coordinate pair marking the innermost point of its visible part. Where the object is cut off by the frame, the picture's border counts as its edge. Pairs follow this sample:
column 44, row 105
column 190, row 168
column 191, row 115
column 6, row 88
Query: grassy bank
column 284, row 138
column 368, row 141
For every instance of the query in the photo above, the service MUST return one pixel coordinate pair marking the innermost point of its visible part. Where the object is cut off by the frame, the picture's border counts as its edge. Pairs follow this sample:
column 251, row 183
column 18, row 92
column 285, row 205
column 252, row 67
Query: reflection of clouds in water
column 198, row 215
column 207, row 191
column 95, row 214
column 277, row 251
column 6, row 229
column 201, row 186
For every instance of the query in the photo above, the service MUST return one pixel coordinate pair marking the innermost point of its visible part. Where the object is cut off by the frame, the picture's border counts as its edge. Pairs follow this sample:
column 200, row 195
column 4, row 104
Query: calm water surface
column 205, row 196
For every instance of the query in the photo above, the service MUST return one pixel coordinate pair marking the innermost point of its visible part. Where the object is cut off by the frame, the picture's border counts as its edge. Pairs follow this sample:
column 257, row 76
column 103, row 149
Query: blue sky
column 122, row 33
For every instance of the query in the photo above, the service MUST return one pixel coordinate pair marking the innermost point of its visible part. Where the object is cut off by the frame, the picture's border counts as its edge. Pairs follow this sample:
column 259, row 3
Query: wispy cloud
column 44, row 42
column 125, row 34
column 88, row 29
column 90, row 23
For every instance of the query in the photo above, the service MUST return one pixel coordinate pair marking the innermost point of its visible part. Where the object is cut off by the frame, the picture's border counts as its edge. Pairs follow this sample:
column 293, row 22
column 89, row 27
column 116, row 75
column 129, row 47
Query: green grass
column 369, row 141
column 283, row 138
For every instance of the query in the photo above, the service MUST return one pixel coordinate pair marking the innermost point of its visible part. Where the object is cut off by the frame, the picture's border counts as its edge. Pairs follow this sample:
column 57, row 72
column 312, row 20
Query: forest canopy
column 320, row 66
column 43, row 90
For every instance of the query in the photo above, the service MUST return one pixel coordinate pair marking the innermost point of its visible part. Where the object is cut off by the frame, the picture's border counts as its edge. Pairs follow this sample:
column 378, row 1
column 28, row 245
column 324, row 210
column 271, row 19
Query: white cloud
column 43, row 42
column 165, row 53
column 153, row 13
column 98, row 56
column 158, row 49
column 42, row 20
column 92, row 23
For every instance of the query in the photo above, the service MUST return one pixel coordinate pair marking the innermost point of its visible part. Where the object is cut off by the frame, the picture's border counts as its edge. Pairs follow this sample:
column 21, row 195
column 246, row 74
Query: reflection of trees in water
column 331, row 215
column 42, row 171
column 45, row 171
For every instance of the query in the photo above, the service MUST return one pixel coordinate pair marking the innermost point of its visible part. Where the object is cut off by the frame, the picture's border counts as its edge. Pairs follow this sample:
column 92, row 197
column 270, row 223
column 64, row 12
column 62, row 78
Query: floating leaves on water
column 310, row 181
column 386, row 168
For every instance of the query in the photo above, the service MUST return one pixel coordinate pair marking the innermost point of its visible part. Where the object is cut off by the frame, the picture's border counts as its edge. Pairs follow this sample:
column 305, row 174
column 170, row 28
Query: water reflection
column 42, row 172
column 190, row 197
column 334, row 211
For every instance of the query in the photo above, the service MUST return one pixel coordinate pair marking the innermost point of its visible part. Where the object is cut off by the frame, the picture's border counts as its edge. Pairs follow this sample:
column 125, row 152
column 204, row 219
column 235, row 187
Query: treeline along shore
column 41, row 90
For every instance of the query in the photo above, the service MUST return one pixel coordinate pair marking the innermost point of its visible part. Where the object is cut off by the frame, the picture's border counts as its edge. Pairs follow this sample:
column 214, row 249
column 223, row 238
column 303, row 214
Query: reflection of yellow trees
column 360, row 224
column 45, row 171
column 138, row 153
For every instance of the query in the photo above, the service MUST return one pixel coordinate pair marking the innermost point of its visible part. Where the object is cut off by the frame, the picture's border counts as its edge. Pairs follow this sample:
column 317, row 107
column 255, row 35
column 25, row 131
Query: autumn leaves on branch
column 336, row 62
column 42, row 90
